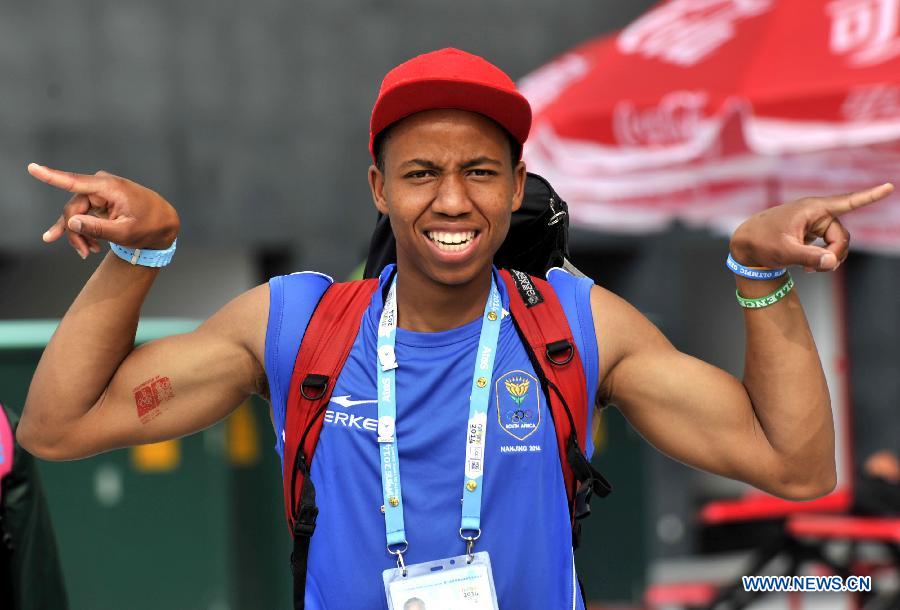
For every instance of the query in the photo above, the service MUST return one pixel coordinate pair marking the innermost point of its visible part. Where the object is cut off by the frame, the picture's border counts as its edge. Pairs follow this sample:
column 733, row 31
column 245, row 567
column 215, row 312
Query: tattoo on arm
column 149, row 396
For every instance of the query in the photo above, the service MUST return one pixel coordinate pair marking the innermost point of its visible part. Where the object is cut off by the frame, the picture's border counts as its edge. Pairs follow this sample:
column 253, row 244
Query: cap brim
column 508, row 108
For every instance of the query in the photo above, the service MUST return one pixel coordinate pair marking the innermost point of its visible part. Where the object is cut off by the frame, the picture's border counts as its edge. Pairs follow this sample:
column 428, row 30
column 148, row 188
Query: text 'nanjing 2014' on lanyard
column 470, row 523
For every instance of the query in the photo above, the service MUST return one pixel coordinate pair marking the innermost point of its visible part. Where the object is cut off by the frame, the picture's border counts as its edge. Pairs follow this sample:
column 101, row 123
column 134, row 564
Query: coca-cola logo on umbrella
column 675, row 119
column 684, row 32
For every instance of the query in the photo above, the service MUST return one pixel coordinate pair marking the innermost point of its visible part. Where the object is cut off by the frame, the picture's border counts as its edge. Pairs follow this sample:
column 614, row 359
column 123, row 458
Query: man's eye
column 483, row 172
column 422, row 173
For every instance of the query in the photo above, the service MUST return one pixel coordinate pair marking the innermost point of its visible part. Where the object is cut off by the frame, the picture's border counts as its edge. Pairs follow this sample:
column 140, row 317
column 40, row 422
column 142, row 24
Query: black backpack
column 538, row 236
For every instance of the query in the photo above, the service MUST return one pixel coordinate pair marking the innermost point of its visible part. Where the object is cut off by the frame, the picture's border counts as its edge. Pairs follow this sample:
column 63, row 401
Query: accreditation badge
column 445, row 584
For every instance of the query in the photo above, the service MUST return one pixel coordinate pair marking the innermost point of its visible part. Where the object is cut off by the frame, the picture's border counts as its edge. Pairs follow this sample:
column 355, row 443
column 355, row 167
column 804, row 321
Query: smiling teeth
column 451, row 242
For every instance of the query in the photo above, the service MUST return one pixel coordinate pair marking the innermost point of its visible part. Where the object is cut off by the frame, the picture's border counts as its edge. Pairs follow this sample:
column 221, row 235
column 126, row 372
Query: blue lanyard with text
column 476, row 429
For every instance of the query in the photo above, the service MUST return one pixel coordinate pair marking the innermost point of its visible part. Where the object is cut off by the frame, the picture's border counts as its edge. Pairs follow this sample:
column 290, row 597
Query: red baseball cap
column 450, row 78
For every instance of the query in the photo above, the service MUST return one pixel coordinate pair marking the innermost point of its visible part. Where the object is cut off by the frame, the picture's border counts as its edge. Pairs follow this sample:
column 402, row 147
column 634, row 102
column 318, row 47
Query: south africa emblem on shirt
column 518, row 403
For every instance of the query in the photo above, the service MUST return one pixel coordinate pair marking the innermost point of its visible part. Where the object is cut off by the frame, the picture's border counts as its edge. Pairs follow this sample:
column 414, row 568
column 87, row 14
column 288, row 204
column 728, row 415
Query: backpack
column 538, row 239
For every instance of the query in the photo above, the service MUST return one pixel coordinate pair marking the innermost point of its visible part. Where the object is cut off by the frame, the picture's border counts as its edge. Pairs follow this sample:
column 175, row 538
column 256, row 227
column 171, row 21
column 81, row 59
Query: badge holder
column 465, row 582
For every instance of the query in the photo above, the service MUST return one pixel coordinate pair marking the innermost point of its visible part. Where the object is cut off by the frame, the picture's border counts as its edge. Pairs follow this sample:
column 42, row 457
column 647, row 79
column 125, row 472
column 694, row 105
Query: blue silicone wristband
column 143, row 256
column 751, row 273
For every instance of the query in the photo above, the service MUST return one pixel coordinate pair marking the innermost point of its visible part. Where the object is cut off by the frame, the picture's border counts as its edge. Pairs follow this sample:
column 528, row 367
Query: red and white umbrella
column 709, row 110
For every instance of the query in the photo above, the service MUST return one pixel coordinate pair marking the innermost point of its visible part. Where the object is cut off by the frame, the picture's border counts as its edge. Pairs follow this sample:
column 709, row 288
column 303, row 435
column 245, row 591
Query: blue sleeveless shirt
column 525, row 516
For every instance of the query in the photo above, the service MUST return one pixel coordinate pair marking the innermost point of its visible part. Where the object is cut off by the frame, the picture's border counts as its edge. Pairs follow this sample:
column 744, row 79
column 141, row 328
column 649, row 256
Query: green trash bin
column 189, row 524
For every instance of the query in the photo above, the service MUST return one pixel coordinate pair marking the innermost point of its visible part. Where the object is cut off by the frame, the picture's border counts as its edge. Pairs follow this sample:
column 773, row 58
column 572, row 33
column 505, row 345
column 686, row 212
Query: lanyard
column 476, row 429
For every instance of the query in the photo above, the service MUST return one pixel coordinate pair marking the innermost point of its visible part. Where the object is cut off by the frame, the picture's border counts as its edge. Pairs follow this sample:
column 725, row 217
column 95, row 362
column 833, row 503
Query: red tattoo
column 149, row 395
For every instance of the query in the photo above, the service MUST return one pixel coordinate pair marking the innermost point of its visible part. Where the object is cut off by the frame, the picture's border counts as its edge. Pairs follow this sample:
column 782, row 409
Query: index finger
column 841, row 204
column 68, row 181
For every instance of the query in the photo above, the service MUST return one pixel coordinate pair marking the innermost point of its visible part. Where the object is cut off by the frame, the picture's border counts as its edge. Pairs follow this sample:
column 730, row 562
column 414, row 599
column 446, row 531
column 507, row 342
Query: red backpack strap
column 541, row 321
column 329, row 336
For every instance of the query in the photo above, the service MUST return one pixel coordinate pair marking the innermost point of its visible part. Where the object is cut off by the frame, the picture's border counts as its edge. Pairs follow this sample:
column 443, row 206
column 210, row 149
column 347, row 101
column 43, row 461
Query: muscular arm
column 774, row 428
column 93, row 391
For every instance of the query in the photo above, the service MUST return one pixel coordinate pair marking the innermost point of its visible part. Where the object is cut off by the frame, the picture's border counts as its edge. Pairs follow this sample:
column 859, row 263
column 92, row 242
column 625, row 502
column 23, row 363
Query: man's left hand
column 783, row 235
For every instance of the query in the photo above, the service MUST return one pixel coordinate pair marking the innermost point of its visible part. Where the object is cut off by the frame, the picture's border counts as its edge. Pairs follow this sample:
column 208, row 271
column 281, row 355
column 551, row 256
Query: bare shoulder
column 621, row 331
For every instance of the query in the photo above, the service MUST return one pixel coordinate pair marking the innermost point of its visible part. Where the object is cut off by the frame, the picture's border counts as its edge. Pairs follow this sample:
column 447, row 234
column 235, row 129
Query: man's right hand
column 109, row 207
column 93, row 390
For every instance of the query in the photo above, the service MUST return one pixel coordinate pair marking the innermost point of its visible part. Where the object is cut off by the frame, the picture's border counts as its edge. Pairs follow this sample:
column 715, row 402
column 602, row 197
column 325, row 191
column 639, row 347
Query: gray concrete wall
column 252, row 117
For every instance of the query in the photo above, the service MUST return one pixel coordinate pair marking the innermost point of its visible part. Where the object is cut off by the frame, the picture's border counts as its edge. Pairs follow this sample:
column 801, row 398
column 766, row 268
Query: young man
column 446, row 133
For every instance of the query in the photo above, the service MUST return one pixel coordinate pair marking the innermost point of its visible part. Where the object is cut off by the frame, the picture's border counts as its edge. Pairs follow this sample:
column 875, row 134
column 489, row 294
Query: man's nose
column 452, row 197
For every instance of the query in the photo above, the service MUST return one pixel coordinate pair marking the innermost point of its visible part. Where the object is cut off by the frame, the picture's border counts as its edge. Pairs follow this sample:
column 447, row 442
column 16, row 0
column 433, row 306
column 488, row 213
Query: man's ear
column 376, row 185
column 519, row 176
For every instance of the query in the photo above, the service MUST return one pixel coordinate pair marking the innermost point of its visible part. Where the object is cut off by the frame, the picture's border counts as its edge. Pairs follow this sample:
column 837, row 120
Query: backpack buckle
column 586, row 489
column 305, row 523
column 557, row 214
column 583, row 501
column 589, row 480
column 558, row 347
column 318, row 384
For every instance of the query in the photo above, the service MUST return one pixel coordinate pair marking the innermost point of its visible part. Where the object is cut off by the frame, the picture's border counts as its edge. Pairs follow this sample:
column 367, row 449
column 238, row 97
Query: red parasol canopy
column 709, row 110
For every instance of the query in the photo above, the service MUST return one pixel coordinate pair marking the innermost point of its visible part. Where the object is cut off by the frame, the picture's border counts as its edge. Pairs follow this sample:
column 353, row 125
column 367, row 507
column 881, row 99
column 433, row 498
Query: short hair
column 414, row 603
column 515, row 149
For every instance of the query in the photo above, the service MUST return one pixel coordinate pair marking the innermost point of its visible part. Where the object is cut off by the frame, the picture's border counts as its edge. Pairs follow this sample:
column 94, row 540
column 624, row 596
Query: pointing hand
column 783, row 235
column 104, row 206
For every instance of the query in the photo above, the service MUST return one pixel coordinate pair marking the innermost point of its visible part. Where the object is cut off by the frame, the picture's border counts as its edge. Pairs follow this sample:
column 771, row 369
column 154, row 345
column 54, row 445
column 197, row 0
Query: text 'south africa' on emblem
column 519, row 407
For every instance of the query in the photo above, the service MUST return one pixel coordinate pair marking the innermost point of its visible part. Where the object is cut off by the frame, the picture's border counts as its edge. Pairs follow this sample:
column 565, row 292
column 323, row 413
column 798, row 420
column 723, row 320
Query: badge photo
column 455, row 583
